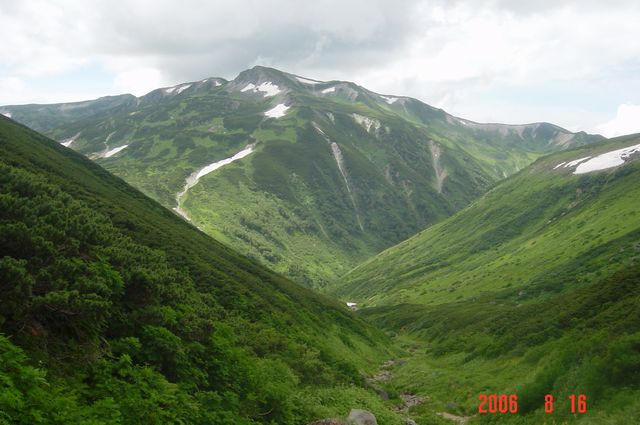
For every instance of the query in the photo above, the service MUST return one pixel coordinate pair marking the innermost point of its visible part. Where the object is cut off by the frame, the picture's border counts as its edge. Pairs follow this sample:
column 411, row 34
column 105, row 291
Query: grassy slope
column 585, row 341
column 537, row 232
column 550, row 303
column 312, row 341
column 287, row 204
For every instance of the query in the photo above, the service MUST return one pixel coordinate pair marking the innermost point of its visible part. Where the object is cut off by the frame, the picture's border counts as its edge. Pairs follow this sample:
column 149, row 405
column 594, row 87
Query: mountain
column 114, row 310
column 532, row 290
column 550, row 227
column 308, row 177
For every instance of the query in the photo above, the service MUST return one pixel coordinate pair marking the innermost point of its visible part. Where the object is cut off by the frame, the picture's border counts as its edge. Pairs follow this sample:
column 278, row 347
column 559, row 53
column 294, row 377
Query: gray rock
column 362, row 417
column 409, row 421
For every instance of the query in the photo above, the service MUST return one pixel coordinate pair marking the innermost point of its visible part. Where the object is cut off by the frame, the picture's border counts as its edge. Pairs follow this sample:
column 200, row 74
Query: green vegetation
column 405, row 165
column 533, row 289
column 113, row 310
column 535, row 234
column 586, row 341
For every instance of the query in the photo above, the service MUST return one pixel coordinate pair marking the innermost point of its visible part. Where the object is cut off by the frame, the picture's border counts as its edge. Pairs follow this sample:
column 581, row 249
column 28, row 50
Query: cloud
column 504, row 60
column 138, row 81
column 626, row 121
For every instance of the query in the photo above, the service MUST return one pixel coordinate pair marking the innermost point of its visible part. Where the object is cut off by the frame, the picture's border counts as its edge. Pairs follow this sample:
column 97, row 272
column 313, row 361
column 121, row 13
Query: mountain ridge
column 531, row 205
column 348, row 171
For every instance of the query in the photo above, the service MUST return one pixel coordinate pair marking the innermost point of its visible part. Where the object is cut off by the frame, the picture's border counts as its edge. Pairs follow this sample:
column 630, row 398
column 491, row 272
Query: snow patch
column 607, row 160
column 7, row 114
column 177, row 89
column 110, row 153
column 559, row 165
column 183, row 88
column 366, row 122
column 268, row 88
column 389, row 100
column 329, row 89
column 331, row 117
column 193, row 178
column 212, row 167
column 319, row 130
column 67, row 142
column 277, row 111
column 575, row 162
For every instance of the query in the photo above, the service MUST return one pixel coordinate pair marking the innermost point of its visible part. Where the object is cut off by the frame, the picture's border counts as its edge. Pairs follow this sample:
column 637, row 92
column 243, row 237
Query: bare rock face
column 362, row 417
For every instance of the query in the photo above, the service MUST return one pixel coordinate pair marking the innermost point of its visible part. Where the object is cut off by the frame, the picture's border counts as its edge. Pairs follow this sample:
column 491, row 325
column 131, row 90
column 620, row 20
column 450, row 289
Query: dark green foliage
column 126, row 314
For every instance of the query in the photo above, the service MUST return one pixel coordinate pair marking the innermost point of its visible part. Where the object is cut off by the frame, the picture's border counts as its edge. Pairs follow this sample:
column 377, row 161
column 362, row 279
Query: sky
column 572, row 63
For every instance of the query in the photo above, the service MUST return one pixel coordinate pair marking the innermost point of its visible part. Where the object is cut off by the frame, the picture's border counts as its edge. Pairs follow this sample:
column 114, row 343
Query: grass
column 538, row 232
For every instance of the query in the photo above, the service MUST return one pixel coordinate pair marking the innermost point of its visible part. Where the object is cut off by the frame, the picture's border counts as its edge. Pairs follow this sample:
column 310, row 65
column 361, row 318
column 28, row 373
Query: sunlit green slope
column 539, row 232
column 534, row 289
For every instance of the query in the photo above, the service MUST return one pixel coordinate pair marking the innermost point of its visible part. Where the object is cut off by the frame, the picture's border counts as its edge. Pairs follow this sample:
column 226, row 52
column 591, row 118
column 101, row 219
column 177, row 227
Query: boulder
column 362, row 417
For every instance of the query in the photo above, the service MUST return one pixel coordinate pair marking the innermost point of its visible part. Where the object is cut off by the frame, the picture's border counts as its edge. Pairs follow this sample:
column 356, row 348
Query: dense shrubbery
column 112, row 313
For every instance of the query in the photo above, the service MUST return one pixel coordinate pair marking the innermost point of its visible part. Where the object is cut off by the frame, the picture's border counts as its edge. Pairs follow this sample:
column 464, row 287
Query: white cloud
column 564, row 61
column 626, row 121
column 138, row 81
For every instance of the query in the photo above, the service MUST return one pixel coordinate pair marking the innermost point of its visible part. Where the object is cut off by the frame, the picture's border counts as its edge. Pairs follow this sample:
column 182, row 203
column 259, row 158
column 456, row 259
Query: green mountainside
column 539, row 232
column 325, row 175
column 113, row 310
column 534, row 289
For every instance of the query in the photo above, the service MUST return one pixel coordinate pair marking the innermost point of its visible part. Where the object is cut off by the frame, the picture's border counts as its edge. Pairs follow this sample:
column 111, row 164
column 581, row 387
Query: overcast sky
column 573, row 63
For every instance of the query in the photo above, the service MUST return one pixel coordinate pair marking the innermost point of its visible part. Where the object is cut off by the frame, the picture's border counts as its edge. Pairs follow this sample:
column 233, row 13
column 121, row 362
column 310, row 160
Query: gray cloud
column 469, row 56
column 226, row 37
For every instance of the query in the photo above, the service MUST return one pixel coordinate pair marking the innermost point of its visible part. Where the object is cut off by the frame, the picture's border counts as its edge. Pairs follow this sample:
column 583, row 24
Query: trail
column 194, row 177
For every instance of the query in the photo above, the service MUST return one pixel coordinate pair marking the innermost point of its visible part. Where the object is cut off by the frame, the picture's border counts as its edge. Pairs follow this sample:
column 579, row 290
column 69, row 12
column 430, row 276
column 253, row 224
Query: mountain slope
column 308, row 177
column 545, row 229
column 532, row 290
column 113, row 310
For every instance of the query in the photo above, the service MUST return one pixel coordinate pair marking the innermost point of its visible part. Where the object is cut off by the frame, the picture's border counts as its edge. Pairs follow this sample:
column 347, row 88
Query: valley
column 480, row 259
column 539, row 296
